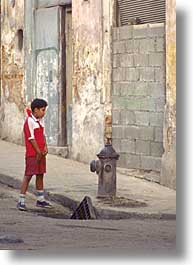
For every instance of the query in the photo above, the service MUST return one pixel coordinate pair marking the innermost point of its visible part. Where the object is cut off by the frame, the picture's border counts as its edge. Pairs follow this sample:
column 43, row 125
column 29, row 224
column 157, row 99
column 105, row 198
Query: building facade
column 105, row 69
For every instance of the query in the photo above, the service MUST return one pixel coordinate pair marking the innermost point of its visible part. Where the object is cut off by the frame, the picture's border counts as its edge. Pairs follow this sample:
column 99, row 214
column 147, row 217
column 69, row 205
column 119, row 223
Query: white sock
column 40, row 195
column 22, row 198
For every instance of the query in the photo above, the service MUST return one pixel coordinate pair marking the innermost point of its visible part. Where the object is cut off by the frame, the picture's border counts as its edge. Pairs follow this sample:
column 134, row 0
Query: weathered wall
column 91, row 23
column 139, row 95
column 168, row 171
column 29, row 51
column 0, row 52
column 11, row 108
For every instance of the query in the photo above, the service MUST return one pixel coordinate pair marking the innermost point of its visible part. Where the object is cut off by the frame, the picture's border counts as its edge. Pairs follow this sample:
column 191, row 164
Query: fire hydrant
column 105, row 167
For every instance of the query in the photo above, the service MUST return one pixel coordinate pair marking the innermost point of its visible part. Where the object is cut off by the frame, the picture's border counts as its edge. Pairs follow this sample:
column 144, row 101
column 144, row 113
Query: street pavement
column 45, row 233
column 70, row 181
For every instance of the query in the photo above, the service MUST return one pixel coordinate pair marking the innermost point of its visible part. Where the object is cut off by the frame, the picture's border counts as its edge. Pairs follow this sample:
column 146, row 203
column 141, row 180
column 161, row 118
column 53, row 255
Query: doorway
column 53, row 63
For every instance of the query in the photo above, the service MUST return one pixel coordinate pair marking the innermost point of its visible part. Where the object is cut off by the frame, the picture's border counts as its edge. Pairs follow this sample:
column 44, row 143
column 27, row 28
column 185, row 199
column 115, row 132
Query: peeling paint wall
column 91, row 23
column 12, row 106
column 0, row 53
column 29, row 50
column 168, row 171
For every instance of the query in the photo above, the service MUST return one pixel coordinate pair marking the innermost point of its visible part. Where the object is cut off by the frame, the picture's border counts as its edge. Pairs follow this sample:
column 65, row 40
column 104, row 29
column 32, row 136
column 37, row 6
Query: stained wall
column 168, row 172
column 12, row 72
column 91, row 107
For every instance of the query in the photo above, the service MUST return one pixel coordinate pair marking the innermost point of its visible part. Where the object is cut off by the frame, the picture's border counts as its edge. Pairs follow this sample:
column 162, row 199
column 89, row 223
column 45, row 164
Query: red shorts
column 34, row 167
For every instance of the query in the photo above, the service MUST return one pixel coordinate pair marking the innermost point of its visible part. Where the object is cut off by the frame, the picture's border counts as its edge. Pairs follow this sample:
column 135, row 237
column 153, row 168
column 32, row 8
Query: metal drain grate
column 85, row 210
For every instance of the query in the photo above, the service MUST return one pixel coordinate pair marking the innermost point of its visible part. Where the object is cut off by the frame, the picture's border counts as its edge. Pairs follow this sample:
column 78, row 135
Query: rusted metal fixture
column 85, row 210
column 105, row 167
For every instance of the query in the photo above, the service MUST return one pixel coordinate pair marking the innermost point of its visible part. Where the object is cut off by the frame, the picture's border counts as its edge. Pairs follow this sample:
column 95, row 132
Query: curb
column 73, row 204
column 107, row 213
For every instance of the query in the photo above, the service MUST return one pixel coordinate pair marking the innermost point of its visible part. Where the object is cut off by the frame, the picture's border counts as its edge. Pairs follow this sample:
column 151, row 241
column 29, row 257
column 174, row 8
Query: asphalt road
column 52, row 230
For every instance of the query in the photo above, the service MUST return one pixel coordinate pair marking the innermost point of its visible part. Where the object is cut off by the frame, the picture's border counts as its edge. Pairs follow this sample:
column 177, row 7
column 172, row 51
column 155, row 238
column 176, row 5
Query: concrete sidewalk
column 70, row 181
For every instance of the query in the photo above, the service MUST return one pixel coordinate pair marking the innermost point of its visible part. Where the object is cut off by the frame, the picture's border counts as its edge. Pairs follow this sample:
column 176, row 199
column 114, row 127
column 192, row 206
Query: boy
column 36, row 151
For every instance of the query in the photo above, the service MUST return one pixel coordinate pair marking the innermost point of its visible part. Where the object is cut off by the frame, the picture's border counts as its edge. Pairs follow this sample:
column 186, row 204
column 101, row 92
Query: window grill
column 141, row 11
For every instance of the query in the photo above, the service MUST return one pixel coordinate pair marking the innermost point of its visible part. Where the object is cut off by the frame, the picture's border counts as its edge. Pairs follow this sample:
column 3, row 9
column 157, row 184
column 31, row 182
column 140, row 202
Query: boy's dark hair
column 38, row 103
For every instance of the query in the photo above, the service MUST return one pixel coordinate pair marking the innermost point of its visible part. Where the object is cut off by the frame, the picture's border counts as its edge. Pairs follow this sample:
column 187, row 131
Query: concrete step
column 149, row 175
column 62, row 151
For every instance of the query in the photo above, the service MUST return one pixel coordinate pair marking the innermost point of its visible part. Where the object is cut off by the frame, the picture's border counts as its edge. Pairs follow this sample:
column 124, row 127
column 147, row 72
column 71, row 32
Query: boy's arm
column 36, row 147
column 46, row 147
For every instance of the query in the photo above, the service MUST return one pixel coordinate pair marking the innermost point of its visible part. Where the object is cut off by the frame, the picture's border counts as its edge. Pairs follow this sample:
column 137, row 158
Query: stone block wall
column 138, row 96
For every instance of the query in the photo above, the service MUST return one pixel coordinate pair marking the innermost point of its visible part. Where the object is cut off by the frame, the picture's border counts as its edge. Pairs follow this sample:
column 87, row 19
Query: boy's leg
column 40, row 192
column 24, row 187
column 25, row 183
column 39, row 182
column 40, row 187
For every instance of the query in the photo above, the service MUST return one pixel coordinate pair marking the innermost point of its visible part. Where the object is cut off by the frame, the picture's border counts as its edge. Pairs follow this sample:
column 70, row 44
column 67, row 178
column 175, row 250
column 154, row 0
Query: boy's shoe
column 21, row 206
column 43, row 204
